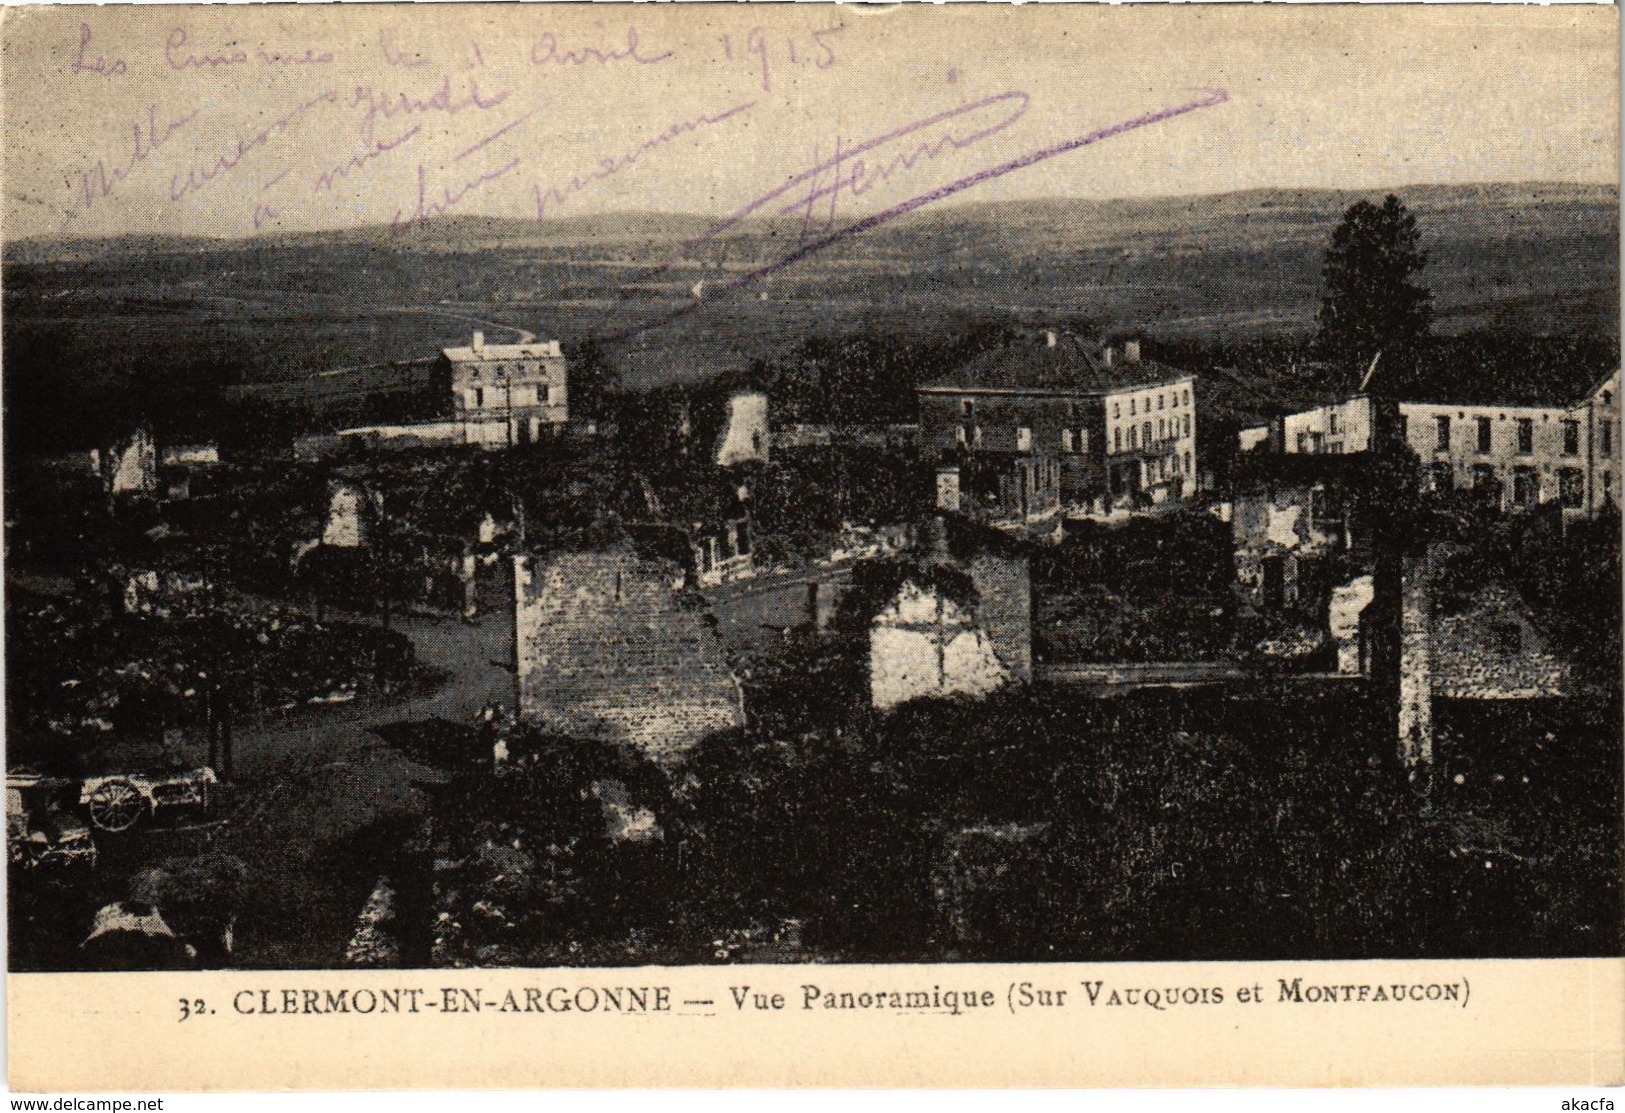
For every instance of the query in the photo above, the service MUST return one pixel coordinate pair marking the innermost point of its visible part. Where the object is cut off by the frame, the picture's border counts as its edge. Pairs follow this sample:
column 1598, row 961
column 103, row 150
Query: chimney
column 1049, row 338
column 934, row 542
column 1106, row 356
column 1131, row 351
column 479, row 341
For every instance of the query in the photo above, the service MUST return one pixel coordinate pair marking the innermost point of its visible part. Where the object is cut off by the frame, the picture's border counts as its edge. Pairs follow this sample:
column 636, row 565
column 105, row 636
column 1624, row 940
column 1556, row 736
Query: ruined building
column 608, row 647
column 961, row 625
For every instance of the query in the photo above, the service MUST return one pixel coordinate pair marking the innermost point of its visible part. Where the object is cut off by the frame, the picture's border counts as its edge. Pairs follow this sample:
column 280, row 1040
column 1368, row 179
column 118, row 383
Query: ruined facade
column 606, row 648
column 923, row 644
column 1518, row 456
column 1492, row 650
column 745, row 436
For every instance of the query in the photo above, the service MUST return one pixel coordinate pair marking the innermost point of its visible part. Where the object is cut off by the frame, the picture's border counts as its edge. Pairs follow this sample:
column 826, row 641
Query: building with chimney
column 1035, row 428
column 505, row 394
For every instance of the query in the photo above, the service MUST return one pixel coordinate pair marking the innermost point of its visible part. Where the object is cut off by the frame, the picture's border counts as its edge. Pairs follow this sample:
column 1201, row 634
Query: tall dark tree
column 1371, row 302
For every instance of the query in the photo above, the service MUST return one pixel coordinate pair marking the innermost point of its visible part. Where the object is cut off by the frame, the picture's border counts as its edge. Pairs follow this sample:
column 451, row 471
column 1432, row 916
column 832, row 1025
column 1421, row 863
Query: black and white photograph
column 597, row 486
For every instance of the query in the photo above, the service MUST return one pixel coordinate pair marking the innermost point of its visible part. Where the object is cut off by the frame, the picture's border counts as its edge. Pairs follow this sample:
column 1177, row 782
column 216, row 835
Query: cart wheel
column 116, row 805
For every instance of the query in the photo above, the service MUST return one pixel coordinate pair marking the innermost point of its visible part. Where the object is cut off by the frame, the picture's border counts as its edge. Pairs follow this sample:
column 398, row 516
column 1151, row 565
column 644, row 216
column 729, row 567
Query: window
column 1484, row 481
column 1133, row 437
column 967, row 407
column 976, row 436
column 1525, row 486
column 1526, row 435
column 1441, row 434
column 1117, row 439
column 1117, row 409
column 1132, row 404
column 1159, row 401
column 1162, row 429
column 1187, row 398
column 1067, row 443
column 1571, row 438
column 1187, row 463
column 1440, row 478
column 1606, row 440
column 1083, row 440
column 1486, row 434
column 961, row 435
column 1331, row 422
column 1024, row 439
column 1187, row 425
column 1145, row 435
column 1571, row 487
column 1608, row 398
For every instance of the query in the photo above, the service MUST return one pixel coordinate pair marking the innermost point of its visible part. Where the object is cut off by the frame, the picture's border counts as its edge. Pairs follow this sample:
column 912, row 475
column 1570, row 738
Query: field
column 98, row 325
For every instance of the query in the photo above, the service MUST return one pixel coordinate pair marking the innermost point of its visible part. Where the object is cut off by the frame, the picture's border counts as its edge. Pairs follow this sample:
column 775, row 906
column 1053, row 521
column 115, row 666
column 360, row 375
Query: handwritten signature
column 1208, row 99
column 608, row 167
column 857, row 177
column 147, row 138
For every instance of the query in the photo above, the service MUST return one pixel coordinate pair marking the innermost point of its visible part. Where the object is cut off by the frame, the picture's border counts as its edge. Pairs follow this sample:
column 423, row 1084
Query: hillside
column 1243, row 267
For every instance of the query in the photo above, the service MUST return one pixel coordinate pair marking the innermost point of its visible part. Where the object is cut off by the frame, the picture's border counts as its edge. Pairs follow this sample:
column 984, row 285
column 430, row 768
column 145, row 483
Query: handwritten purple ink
column 386, row 45
column 493, row 137
column 147, row 137
column 609, row 167
column 545, row 51
column 263, row 214
column 181, row 185
column 385, row 106
column 427, row 210
column 101, row 65
column 379, row 147
column 813, row 173
column 1208, row 99
column 177, row 41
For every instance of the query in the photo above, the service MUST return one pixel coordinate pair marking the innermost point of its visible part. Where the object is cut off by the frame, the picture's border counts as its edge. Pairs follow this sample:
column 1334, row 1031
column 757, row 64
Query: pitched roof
column 1069, row 365
column 486, row 352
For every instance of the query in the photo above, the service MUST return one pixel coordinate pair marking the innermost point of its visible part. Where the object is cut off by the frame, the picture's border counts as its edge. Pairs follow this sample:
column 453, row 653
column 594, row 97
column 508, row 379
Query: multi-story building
column 1033, row 428
column 1520, row 456
column 505, row 394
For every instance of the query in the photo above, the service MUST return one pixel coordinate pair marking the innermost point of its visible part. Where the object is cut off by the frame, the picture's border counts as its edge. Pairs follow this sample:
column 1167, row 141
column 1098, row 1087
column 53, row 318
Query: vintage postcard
column 812, row 545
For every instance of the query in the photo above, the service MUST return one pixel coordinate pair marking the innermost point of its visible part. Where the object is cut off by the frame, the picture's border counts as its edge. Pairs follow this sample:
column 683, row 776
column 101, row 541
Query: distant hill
column 1187, row 272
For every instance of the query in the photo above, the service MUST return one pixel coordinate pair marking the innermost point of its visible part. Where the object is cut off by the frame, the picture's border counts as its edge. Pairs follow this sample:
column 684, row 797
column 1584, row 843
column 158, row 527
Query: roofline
column 1084, row 392
column 1565, row 407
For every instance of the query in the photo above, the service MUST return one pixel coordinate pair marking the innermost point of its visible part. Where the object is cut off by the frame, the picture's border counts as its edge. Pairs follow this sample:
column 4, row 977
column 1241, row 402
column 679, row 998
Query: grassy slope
column 268, row 309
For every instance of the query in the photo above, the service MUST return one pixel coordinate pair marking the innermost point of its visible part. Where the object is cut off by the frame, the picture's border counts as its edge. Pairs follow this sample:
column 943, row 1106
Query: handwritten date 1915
column 763, row 51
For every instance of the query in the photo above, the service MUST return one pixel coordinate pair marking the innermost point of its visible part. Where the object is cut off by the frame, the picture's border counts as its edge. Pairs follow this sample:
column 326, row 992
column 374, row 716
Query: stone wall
column 1004, row 609
column 1415, row 665
column 606, row 650
column 1493, row 651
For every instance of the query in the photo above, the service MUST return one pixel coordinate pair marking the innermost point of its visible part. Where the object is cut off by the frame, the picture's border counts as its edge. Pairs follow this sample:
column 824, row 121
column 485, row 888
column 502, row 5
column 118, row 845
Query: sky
column 232, row 120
